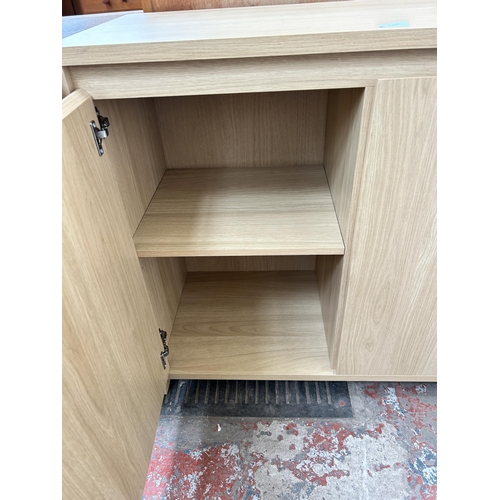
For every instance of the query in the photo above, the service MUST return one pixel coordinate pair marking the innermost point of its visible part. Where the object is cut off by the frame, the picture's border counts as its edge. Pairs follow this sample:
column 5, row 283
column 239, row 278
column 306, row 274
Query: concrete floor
column 387, row 451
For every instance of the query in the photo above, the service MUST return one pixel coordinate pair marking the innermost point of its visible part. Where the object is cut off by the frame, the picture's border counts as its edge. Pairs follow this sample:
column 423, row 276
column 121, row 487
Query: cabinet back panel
column 271, row 129
column 252, row 263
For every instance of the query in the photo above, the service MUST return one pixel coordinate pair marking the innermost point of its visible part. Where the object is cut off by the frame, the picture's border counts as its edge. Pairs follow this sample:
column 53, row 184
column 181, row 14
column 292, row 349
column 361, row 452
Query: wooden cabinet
column 269, row 203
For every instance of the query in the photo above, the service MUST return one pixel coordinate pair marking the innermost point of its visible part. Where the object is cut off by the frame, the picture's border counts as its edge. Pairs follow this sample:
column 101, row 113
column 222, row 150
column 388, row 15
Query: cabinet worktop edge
column 241, row 32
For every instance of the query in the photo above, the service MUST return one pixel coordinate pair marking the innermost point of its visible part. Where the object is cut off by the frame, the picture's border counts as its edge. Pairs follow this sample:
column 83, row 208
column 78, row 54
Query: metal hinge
column 164, row 353
column 99, row 133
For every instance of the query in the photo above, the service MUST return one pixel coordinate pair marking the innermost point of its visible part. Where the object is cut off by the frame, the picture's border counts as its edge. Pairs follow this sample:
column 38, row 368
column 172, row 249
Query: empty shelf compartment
column 250, row 325
column 240, row 211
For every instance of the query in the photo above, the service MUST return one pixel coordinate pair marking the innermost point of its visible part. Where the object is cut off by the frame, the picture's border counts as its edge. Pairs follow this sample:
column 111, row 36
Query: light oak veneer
column 264, row 325
column 266, row 263
column 254, row 326
column 389, row 326
column 112, row 379
column 349, row 114
column 267, row 129
column 240, row 211
column 228, row 266
column 259, row 74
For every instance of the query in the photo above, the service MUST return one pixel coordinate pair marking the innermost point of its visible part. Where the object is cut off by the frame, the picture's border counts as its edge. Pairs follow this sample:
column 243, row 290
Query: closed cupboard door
column 389, row 326
column 113, row 379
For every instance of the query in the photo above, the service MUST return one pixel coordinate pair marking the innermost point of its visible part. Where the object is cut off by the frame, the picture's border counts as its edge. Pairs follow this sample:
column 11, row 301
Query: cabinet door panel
column 390, row 315
column 113, row 381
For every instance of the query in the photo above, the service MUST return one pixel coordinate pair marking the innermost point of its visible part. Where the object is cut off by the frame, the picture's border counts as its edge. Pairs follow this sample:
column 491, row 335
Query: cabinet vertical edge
column 67, row 83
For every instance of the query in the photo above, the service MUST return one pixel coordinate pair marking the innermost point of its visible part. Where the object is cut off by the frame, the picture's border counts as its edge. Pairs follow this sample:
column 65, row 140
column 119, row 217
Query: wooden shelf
column 240, row 211
column 250, row 325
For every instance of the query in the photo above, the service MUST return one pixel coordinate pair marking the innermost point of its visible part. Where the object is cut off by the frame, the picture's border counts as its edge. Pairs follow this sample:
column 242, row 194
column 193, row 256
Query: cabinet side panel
column 243, row 130
column 134, row 141
column 173, row 276
column 343, row 128
column 345, row 139
column 390, row 315
column 164, row 279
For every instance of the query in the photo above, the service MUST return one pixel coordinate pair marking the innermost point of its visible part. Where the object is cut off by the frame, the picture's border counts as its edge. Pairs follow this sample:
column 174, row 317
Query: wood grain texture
column 267, row 263
column 113, row 381
column 271, row 74
column 389, row 324
column 346, row 110
column 135, row 145
column 347, row 128
column 273, row 30
column 170, row 5
column 67, row 83
column 98, row 6
column 138, row 165
column 164, row 279
column 246, row 211
column 250, row 326
column 275, row 129
column 69, row 105
column 173, row 275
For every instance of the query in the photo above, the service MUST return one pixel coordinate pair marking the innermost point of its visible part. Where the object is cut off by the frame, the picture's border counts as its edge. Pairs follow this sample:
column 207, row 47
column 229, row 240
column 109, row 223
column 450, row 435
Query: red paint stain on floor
column 305, row 471
column 371, row 390
column 320, row 456
column 291, row 428
column 212, row 472
column 375, row 432
column 316, row 453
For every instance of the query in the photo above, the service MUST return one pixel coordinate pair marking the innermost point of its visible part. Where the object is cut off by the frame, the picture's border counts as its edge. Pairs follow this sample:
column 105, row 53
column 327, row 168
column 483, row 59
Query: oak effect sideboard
column 248, row 193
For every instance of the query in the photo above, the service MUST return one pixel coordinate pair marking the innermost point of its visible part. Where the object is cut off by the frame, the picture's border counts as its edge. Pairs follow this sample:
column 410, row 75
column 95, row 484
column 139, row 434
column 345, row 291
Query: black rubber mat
column 262, row 398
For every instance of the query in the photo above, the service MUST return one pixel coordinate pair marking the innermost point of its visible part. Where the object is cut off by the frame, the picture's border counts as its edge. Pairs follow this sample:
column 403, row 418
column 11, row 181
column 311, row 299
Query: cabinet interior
column 240, row 208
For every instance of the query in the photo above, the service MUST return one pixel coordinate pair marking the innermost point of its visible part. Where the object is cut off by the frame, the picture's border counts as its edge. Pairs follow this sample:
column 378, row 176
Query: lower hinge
column 164, row 353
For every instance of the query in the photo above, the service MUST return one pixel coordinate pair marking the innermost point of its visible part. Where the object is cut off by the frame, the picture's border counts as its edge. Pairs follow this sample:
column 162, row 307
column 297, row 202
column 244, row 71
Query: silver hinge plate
column 99, row 133
column 164, row 353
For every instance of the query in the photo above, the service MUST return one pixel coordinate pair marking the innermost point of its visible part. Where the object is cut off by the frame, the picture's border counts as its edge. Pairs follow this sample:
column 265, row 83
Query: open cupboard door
column 113, row 379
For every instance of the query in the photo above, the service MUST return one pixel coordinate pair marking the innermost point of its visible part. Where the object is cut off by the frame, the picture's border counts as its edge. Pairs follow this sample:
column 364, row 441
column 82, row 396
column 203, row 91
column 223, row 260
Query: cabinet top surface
column 273, row 30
